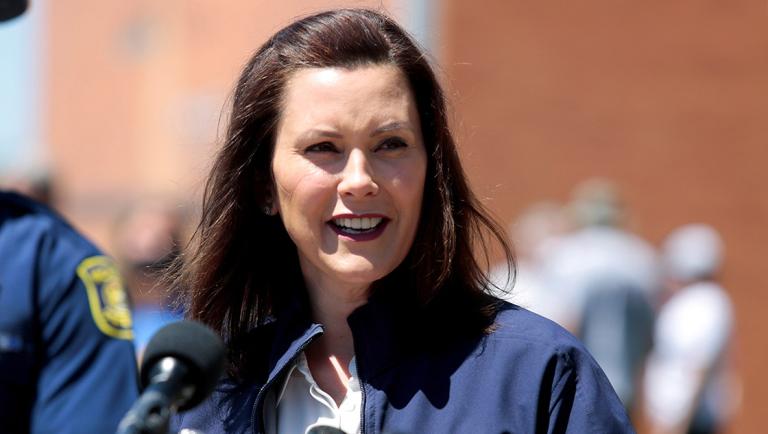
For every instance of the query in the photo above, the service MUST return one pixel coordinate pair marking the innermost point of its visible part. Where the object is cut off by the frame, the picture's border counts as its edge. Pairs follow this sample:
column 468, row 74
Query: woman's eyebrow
column 319, row 132
column 392, row 126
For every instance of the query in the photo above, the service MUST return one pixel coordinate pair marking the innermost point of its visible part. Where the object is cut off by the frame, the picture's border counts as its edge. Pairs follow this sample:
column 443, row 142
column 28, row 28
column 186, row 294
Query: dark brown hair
column 242, row 262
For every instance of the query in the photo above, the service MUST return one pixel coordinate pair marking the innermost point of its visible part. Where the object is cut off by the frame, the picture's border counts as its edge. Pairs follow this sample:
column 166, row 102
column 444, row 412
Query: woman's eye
column 321, row 147
column 392, row 143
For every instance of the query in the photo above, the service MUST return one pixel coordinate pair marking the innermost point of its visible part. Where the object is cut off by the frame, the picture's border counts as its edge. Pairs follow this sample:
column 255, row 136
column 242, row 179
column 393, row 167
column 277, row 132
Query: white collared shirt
column 302, row 405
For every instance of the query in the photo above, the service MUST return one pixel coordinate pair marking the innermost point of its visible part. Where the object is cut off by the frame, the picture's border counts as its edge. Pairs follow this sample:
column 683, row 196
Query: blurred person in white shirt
column 688, row 385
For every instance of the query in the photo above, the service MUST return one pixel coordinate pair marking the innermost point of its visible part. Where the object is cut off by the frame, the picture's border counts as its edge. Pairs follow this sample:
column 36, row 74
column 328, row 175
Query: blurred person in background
column 688, row 382
column 67, row 363
column 146, row 240
column 35, row 184
column 533, row 233
column 609, row 279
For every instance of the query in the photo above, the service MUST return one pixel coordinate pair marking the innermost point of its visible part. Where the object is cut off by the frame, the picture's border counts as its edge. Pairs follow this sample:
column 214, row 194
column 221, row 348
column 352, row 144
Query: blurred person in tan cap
column 609, row 279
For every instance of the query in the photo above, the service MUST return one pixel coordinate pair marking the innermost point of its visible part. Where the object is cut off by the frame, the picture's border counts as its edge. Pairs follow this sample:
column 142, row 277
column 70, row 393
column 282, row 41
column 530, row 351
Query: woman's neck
column 331, row 307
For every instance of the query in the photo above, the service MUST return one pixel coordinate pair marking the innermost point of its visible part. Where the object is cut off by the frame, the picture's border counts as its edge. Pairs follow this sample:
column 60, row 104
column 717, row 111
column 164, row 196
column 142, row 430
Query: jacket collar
column 387, row 329
column 382, row 330
column 293, row 331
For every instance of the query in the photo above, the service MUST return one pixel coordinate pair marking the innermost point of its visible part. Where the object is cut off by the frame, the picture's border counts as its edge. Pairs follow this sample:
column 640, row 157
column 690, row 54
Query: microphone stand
column 152, row 411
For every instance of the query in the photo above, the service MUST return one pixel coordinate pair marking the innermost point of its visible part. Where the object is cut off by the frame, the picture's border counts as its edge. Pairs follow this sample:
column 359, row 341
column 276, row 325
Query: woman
column 335, row 256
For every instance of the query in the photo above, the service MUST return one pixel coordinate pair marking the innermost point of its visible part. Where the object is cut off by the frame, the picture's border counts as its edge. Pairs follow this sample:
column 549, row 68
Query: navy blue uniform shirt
column 67, row 363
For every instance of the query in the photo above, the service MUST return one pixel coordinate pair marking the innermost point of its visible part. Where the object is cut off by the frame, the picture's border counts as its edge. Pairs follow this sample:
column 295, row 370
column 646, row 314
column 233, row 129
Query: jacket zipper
column 268, row 384
column 362, row 404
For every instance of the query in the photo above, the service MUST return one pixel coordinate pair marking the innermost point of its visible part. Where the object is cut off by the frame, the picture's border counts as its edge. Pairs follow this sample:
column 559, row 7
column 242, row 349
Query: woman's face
column 349, row 166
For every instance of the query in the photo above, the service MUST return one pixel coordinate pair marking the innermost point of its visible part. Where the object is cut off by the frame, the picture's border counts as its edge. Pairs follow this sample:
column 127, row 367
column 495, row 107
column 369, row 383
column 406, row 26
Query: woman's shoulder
column 516, row 321
column 518, row 331
column 540, row 356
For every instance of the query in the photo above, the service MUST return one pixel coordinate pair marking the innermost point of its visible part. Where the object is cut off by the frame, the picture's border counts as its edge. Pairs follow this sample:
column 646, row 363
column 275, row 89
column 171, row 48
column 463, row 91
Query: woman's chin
column 360, row 274
column 347, row 271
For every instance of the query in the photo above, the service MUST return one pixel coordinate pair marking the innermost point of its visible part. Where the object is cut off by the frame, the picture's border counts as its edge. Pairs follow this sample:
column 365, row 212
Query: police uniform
column 67, row 363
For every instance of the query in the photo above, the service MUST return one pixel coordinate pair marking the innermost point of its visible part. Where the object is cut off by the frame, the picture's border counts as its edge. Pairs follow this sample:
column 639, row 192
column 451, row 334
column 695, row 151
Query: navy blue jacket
column 526, row 376
column 67, row 363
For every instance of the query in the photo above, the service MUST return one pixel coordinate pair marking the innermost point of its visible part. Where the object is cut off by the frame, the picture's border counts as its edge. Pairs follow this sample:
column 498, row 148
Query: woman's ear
column 265, row 193
column 269, row 207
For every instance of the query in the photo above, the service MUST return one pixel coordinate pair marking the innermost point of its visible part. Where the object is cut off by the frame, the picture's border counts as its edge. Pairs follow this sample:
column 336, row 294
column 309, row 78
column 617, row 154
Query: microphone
column 180, row 368
column 11, row 9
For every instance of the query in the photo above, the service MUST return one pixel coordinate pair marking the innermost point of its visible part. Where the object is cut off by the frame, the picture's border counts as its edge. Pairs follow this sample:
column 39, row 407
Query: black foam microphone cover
column 12, row 8
column 193, row 344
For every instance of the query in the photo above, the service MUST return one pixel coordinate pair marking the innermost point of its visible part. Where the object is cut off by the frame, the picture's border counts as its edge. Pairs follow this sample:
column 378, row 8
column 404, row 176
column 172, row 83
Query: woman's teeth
column 358, row 224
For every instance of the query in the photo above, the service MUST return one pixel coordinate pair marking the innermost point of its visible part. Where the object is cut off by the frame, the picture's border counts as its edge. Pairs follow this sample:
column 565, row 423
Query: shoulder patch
column 107, row 297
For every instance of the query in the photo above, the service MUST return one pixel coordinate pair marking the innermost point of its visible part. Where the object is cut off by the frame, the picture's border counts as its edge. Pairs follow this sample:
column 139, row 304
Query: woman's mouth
column 359, row 228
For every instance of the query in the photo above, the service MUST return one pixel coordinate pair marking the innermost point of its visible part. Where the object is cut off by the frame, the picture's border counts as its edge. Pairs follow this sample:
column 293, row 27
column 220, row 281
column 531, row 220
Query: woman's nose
column 357, row 179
